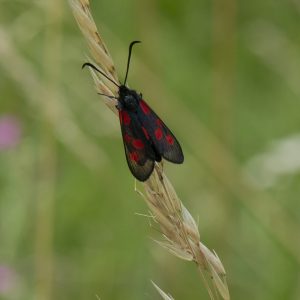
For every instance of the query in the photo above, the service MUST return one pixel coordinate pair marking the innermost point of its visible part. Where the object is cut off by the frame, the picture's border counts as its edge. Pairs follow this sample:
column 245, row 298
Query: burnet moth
column 146, row 138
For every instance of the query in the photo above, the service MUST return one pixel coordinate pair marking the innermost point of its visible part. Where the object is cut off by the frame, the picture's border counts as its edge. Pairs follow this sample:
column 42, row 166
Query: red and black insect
column 146, row 138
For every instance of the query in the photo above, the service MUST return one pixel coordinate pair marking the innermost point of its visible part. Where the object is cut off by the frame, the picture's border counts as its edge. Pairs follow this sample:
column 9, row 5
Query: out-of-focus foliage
column 223, row 74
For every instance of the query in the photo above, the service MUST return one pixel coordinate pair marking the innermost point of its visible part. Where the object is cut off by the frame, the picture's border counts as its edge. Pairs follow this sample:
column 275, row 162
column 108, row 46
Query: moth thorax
column 130, row 102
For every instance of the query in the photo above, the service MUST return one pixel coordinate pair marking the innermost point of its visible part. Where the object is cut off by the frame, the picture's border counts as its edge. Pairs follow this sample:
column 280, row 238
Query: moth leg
column 108, row 96
column 119, row 106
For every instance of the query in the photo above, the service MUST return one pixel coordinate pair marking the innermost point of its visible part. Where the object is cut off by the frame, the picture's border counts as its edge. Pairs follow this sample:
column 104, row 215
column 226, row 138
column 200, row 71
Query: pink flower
column 10, row 132
column 8, row 279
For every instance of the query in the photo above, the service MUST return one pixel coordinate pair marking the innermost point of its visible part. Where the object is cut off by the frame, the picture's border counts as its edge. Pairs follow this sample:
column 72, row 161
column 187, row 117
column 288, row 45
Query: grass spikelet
column 162, row 293
column 180, row 231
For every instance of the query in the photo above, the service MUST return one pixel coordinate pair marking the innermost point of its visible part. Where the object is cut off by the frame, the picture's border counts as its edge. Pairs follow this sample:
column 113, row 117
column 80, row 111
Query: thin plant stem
column 47, row 160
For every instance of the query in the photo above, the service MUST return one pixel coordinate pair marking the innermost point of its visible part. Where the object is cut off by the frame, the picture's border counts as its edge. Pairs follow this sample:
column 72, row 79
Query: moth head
column 131, row 101
column 129, row 98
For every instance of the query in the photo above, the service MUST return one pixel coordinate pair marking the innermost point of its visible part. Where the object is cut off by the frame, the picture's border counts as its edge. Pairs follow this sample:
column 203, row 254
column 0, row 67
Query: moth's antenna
column 129, row 56
column 96, row 69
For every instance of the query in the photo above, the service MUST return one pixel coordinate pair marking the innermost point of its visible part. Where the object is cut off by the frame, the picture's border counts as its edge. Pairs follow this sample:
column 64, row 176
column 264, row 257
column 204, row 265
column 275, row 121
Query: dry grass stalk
column 180, row 232
column 162, row 293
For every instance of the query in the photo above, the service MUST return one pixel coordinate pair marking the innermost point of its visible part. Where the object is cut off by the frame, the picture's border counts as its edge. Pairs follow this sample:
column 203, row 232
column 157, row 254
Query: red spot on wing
column 159, row 122
column 145, row 108
column 170, row 139
column 158, row 133
column 145, row 133
column 134, row 156
column 125, row 118
column 138, row 144
column 127, row 138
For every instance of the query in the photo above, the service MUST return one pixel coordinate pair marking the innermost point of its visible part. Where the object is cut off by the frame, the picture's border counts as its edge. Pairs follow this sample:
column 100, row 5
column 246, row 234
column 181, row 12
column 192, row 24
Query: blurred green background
column 224, row 75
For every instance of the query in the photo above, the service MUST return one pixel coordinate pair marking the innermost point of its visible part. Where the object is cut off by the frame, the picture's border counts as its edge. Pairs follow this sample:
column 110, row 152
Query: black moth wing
column 139, row 153
column 163, row 139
